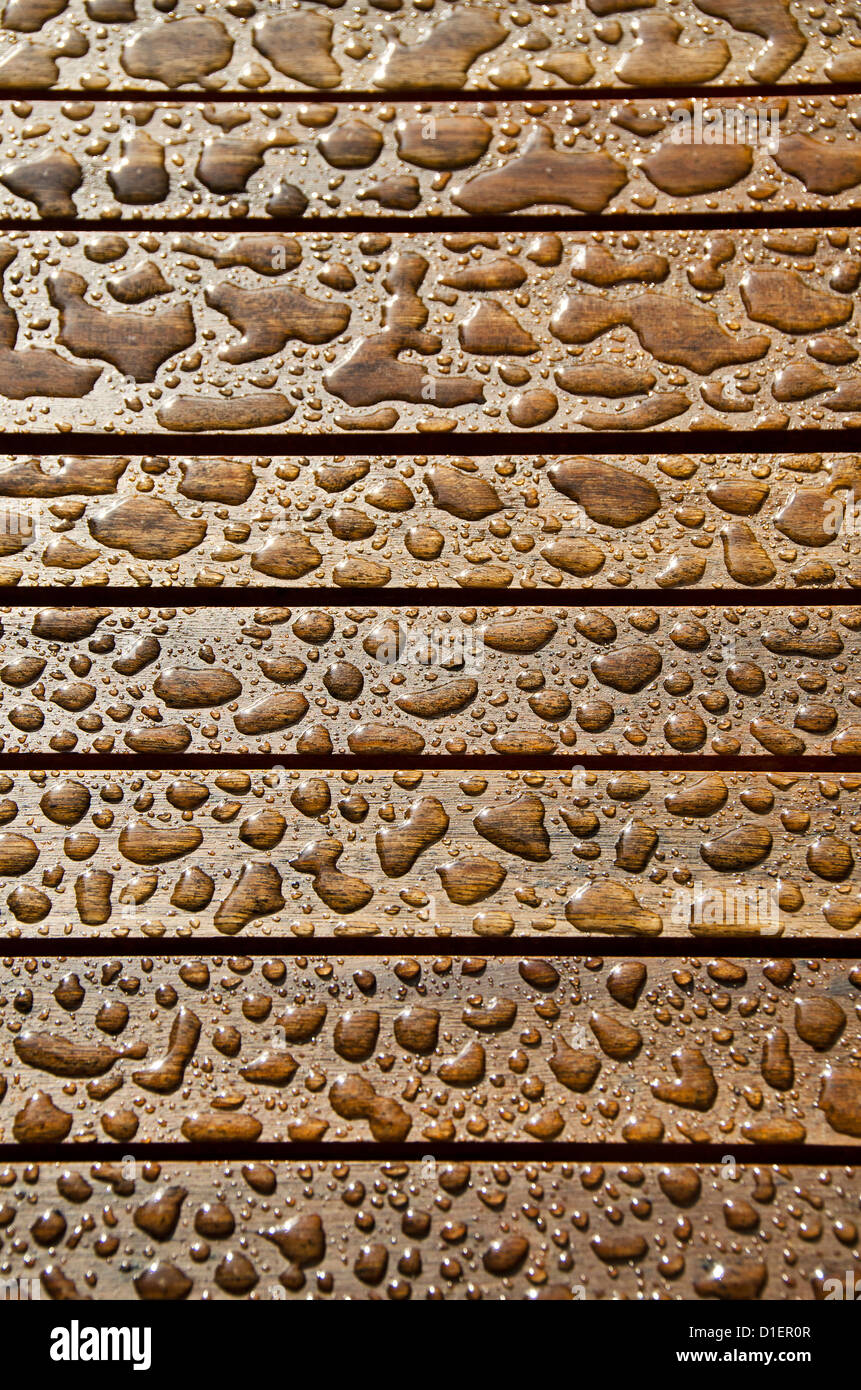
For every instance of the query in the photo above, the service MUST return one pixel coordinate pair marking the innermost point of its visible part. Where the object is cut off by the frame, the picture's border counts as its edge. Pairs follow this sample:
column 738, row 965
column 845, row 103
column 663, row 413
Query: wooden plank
column 442, row 853
column 369, row 681
column 389, row 48
column 458, row 1230
column 169, row 159
column 505, row 521
column 410, row 340
column 384, row 1049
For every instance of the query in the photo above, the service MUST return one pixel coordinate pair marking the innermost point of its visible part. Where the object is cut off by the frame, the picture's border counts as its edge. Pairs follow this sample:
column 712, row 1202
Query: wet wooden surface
column 191, row 332
column 455, row 1048
column 547, row 521
column 410, row 681
column 429, row 332
column 461, row 1230
column 286, row 854
column 389, row 47
column 169, row 160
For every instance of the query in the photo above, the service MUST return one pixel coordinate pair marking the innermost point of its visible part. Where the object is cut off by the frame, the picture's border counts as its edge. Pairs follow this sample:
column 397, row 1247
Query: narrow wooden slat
column 374, row 1048
column 646, row 520
column 165, row 854
column 369, row 681
column 390, row 47
column 201, row 332
column 471, row 330
column 426, row 1230
column 476, row 159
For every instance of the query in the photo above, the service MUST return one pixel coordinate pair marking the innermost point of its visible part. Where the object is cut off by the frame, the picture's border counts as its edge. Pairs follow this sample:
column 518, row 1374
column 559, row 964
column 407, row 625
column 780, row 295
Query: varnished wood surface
column 286, row 854
column 385, row 1048
column 411, row 681
column 191, row 331
column 257, row 158
column 390, row 46
column 546, row 521
column 430, row 332
column 461, row 1230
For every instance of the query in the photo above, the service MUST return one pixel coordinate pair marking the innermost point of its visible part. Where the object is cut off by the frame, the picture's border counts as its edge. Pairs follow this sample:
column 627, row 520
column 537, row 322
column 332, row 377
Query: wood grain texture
column 471, row 330
column 470, row 523
column 168, row 854
column 462, row 1230
column 427, row 680
column 379, row 1049
column 170, row 159
column 391, row 47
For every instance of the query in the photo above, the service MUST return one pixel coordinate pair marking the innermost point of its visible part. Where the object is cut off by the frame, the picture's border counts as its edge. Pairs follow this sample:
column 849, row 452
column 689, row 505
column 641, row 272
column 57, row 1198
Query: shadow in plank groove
column 534, row 762
column 267, row 595
column 607, row 947
column 521, row 222
column 408, row 444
